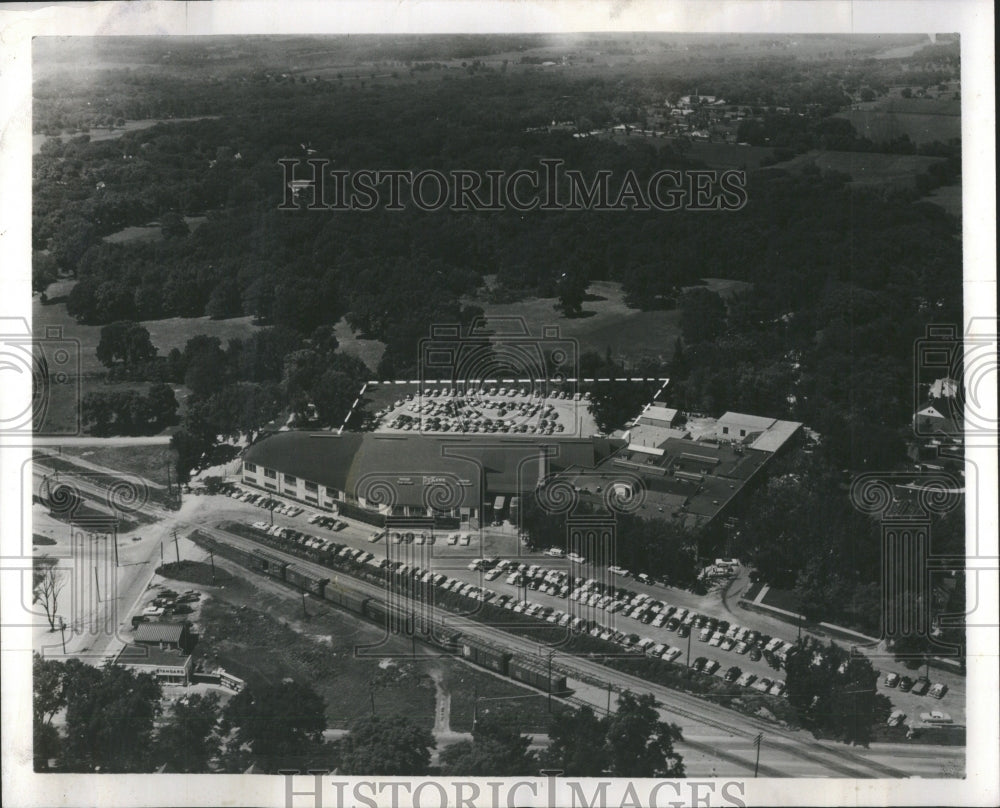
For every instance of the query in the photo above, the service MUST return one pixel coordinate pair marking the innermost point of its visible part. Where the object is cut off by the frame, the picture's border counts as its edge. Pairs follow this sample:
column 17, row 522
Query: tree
column 127, row 341
column 833, row 690
column 48, row 583
column 186, row 740
column 49, row 695
column 703, row 315
column 386, row 745
column 43, row 273
column 205, row 365
column 162, row 405
column 285, row 719
column 225, row 300
column 496, row 750
column 576, row 745
column 109, row 718
column 638, row 743
column 172, row 225
column 572, row 291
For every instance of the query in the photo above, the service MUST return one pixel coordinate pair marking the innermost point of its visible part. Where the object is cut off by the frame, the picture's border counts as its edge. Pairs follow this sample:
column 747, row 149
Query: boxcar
column 268, row 564
column 485, row 655
column 304, row 580
column 352, row 601
column 536, row 673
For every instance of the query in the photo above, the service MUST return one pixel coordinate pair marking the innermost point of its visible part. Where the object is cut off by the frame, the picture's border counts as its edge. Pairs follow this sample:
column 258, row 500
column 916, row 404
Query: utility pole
column 211, row 557
column 551, row 654
column 689, row 647
column 304, row 611
column 475, row 706
column 756, row 741
column 170, row 487
column 62, row 628
column 609, row 698
column 177, row 549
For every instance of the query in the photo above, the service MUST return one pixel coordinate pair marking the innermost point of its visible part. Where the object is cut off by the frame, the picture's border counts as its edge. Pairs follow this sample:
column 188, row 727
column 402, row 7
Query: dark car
column 921, row 686
column 755, row 653
column 672, row 624
column 684, row 631
column 723, row 626
column 905, row 684
column 700, row 663
column 733, row 674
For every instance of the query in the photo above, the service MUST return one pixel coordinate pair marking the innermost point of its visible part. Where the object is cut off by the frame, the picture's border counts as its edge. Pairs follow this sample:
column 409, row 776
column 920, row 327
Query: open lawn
column 147, row 461
column 607, row 323
column 924, row 120
column 149, row 232
column 63, row 403
column 867, row 169
column 368, row 351
column 270, row 640
column 948, row 197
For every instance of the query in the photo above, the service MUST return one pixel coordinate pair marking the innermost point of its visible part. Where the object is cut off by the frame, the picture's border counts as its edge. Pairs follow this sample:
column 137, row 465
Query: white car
column 555, row 552
column 576, row 558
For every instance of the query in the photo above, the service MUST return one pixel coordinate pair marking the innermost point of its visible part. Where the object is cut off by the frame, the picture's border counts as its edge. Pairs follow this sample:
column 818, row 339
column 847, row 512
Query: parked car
column 938, row 690
column 711, row 667
column 754, row 653
column 699, row 663
column 891, row 679
column 921, row 686
column 897, row 718
column 733, row 674
column 747, row 679
column 905, row 684
column 935, row 717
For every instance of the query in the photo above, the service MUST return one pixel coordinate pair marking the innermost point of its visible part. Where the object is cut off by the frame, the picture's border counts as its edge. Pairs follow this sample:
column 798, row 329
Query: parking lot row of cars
column 262, row 501
column 918, row 686
column 419, row 537
column 493, row 391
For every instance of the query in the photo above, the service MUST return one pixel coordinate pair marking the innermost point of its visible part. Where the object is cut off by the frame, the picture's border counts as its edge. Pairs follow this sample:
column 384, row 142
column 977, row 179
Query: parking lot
column 490, row 566
column 488, row 409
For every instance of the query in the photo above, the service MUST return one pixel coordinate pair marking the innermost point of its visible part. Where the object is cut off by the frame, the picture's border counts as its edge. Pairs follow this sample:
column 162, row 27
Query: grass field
column 948, row 197
column 256, row 629
column 608, row 323
column 149, row 232
column 368, row 351
column 271, row 640
column 146, row 461
column 867, row 168
column 922, row 119
column 64, row 402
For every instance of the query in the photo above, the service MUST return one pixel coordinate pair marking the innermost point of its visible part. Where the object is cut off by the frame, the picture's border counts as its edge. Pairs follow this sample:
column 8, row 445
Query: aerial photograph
column 490, row 405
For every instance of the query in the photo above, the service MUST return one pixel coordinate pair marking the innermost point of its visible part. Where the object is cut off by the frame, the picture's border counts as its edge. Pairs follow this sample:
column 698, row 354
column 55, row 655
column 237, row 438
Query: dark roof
column 151, row 655
column 409, row 464
column 321, row 457
column 159, row 632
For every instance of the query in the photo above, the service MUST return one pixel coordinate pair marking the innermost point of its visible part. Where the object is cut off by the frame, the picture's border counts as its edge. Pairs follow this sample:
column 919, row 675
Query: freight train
column 399, row 620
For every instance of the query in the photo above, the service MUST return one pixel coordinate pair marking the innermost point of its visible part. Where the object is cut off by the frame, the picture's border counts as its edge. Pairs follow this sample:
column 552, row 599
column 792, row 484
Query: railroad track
column 738, row 725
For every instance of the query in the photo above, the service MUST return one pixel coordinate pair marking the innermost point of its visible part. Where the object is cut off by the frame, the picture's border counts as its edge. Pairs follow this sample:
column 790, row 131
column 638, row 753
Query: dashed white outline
column 374, row 382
